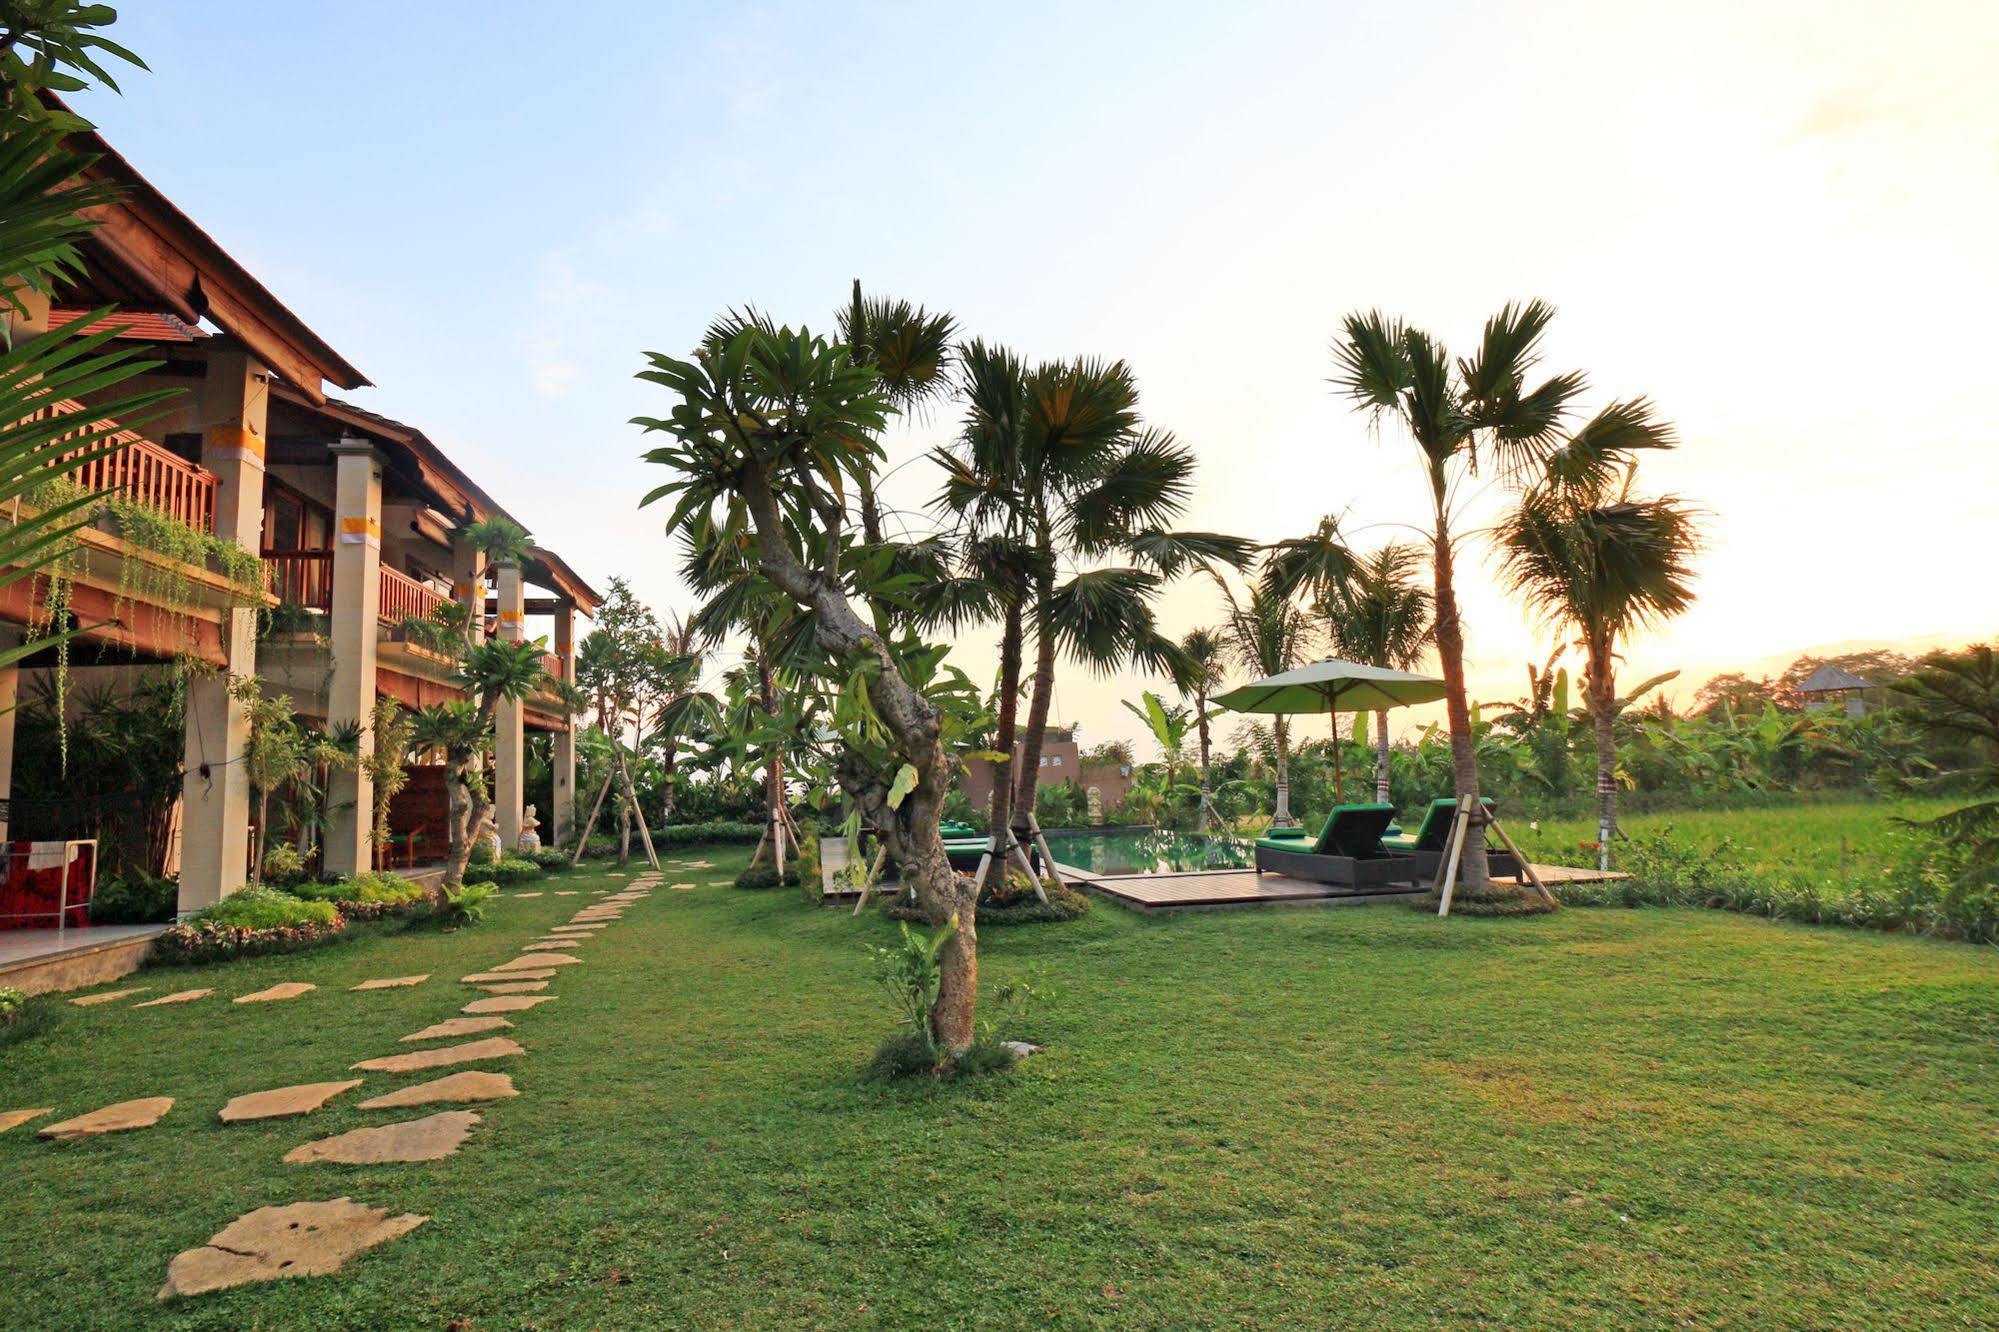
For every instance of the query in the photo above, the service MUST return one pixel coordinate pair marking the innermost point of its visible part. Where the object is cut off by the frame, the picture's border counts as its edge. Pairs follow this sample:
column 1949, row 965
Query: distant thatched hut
column 1829, row 683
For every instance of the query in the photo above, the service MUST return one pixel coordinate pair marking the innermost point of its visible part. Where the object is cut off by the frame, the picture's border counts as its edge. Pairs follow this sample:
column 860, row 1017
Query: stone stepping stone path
column 501, row 977
column 554, row 945
column 472, row 1052
column 284, row 1102
column 296, row 1240
column 177, row 997
column 584, row 930
column 505, row 1003
column 458, row 1026
column 682, row 887
column 565, row 892
column 109, row 996
column 119, row 1118
column 392, row 982
column 524, row 894
column 451, row 1089
column 11, row 1119
column 539, row 962
column 428, row 1139
column 282, row 990
column 514, row 987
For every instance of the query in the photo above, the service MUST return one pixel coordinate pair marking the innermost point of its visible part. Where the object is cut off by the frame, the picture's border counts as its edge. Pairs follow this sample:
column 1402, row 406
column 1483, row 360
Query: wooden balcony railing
column 305, row 578
column 148, row 474
column 302, row 577
column 552, row 664
column 404, row 598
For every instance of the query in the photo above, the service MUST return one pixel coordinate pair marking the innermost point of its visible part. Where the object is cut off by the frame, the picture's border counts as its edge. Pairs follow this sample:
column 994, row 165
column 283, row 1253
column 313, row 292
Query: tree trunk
column 909, row 830
column 1280, row 730
column 1603, row 713
column 1384, row 768
column 670, row 754
column 1028, row 783
column 1201, row 726
column 458, row 832
column 263, row 828
column 999, row 813
column 1474, row 877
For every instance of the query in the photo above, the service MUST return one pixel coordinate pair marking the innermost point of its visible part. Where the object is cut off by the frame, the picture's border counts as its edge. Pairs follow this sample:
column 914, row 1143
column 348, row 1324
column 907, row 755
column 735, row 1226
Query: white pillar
column 509, row 740
column 215, row 792
column 468, row 583
column 562, row 748
column 356, row 631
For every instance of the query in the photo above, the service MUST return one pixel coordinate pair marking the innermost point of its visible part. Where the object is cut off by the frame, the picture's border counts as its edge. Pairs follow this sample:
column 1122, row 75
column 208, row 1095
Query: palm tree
column 487, row 672
column 1267, row 633
column 683, row 654
column 910, row 350
column 1460, row 415
column 1594, row 558
column 1205, row 652
column 1381, row 618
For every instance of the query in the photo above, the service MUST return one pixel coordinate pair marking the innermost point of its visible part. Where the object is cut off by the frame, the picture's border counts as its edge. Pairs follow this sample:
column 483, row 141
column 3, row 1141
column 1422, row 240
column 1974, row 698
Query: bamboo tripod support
column 597, row 805
column 1455, row 851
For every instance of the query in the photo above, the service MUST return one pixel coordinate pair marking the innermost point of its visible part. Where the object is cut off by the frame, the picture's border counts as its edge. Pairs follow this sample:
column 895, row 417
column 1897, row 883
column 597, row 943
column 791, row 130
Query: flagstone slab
column 506, row 1003
column 565, row 892
column 682, row 887
column 283, row 1102
column 392, row 982
column 534, row 894
column 282, row 990
column 459, row 1026
column 585, row 928
column 514, row 987
column 120, row 1118
column 488, row 977
column 554, row 945
column 296, row 1240
column 539, row 962
column 431, row 1138
column 493, row 1047
column 452, row 1088
column 177, row 997
column 92, row 1000
column 10, row 1119
column 718, row 883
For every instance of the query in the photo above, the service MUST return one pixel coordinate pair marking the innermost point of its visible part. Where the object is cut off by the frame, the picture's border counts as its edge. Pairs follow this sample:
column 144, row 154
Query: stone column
column 509, row 738
column 562, row 749
column 215, row 792
column 468, row 583
column 356, row 631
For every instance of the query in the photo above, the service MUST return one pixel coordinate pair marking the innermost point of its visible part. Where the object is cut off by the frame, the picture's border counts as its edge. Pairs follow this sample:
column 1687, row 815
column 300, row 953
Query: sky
column 1773, row 219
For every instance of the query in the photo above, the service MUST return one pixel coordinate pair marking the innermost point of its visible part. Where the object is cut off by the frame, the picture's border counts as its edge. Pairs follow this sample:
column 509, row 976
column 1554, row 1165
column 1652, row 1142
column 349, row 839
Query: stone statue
column 530, row 839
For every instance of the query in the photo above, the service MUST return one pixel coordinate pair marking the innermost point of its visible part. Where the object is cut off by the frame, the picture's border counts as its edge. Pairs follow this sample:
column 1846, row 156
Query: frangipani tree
column 770, row 434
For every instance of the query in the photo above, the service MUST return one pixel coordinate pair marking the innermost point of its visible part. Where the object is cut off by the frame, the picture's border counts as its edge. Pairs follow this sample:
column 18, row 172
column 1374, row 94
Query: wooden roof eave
column 157, row 249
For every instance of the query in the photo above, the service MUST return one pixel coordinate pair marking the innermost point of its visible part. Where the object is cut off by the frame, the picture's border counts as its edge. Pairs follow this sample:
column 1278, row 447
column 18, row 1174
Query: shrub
column 721, row 832
column 1013, row 903
column 467, row 906
column 22, row 1016
column 510, row 870
column 1503, row 900
column 201, row 941
column 266, row 909
column 551, row 858
column 283, row 864
column 367, row 896
column 135, row 898
column 763, row 874
column 482, row 853
column 907, row 1055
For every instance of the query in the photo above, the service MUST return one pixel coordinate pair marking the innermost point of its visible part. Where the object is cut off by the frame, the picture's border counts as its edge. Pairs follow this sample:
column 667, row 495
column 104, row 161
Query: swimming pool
column 1112, row 852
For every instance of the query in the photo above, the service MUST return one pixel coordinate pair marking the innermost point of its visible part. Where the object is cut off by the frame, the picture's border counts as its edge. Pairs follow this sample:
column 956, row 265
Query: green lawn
column 1308, row 1117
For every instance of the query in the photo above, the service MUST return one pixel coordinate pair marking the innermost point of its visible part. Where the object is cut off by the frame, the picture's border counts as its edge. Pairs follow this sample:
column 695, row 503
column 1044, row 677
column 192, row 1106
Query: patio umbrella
column 1330, row 685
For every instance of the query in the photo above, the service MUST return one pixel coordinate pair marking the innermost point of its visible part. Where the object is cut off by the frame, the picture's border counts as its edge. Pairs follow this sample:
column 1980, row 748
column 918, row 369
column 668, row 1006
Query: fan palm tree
column 463, row 729
column 1381, row 617
column 1056, row 458
column 1461, row 415
column 910, row 351
column 1206, row 653
column 1268, row 633
column 1598, row 560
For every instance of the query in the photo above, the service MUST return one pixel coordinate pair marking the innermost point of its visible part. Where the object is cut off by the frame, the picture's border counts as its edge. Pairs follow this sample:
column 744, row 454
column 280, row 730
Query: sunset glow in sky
column 1776, row 220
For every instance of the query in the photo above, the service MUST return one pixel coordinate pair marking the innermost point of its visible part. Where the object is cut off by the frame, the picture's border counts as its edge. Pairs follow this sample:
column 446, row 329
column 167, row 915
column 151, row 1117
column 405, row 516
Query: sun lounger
column 1429, row 841
column 1347, row 851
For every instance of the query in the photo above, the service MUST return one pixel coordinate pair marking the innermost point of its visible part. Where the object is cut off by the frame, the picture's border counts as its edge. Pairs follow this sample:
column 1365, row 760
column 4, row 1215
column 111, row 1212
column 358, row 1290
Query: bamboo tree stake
column 1526, row 866
column 1454, row 853
column 590, row 824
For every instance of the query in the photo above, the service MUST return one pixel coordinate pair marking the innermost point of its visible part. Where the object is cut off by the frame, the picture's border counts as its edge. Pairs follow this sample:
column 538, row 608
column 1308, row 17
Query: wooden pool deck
column 1209, row 890
column 1206, row 890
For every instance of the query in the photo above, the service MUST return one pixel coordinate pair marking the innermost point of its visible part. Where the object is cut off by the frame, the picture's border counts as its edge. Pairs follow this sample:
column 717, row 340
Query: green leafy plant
column 908, row 972
column 467, row 906
column 266, row 908
column 134, row 897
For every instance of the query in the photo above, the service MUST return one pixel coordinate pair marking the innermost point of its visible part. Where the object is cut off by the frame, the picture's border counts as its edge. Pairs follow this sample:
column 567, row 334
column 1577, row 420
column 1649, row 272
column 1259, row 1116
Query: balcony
column 305, row 578
column 149, row 475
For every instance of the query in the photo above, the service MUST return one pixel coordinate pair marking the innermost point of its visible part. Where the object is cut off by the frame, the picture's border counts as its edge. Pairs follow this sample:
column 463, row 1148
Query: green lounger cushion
column 1435, row 829
column 1350, row 830
column 955, row 829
